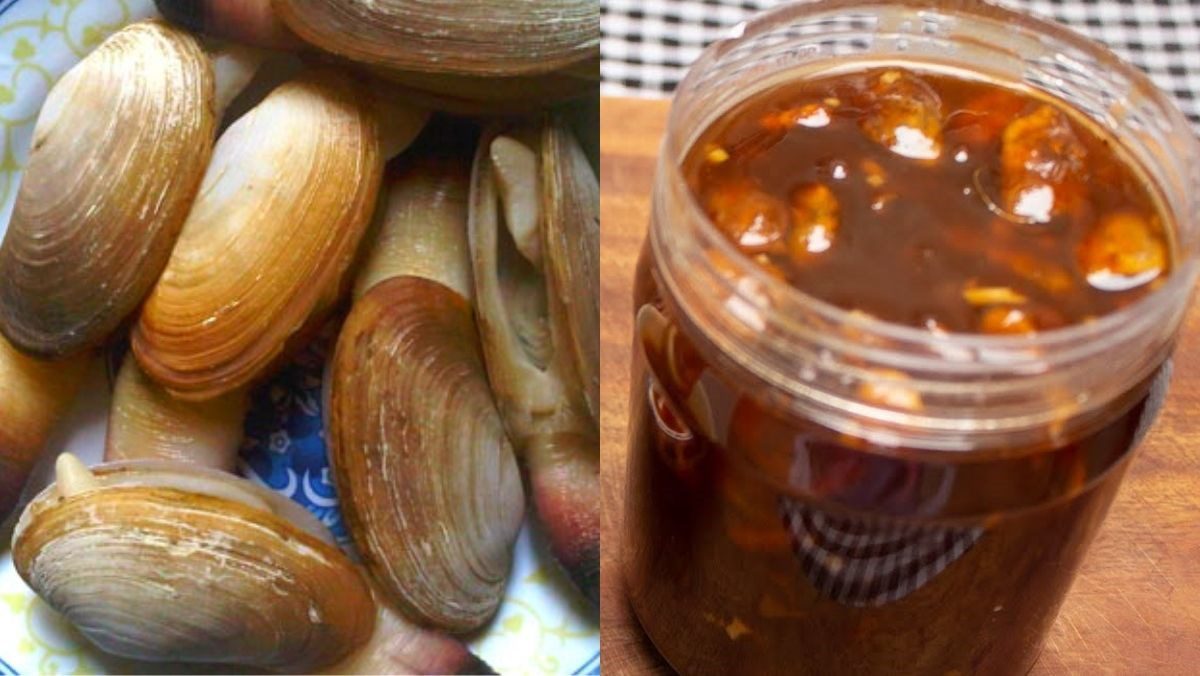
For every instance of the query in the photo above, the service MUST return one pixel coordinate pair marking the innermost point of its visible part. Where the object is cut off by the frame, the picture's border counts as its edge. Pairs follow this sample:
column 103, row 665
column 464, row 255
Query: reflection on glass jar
column 813, row 490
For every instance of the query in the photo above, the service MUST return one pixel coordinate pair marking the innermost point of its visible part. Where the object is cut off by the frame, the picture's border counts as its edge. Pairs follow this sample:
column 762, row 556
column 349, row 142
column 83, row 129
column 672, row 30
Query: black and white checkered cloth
column 648, row 45
column 864, row 563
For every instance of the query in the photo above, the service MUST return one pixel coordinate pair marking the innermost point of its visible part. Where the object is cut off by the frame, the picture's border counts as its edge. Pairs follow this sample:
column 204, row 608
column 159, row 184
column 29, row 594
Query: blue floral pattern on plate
column 285, row 448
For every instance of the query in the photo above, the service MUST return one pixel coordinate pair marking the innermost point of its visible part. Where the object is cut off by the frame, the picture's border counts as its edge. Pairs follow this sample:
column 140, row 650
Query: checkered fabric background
column 647, row 45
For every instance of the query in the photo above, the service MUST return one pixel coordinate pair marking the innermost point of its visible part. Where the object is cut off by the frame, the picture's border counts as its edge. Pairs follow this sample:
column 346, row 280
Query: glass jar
column 788, row 508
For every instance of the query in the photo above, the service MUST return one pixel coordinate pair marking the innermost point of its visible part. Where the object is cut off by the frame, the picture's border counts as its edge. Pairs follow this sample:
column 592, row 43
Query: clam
column 162, row 561
column 146, row 422
column 464, row 58
column 571, row 231
column 115, row 164
column 34, row 395
column 427, row 478
column 477, row 37
column 535, row 314
column 265, row 250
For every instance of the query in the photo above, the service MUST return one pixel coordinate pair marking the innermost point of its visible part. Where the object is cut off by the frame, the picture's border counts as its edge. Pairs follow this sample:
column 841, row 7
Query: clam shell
column 531, row 341
column 512, row 304
column 34, row 395
column 280, row 214
column 115, row 164
column 571, row 232
column 160, row 563
column 429, row 485
column 489, row 94
column 462, row 37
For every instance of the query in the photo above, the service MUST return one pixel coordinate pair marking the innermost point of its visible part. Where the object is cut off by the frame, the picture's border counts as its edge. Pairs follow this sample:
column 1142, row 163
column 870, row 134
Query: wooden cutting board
column 1135, row 608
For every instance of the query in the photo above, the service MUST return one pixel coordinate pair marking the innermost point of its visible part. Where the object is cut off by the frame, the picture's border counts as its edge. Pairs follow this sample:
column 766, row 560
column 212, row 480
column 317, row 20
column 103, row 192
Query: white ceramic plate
column 542, row 627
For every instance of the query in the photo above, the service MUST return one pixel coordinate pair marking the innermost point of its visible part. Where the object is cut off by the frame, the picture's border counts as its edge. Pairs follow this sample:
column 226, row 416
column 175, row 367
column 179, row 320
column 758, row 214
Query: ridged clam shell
column 165, row 564
column 280, row 214
column 480, row 37
column 489, row 94
column 429, row 484
column 115, row 164
column 571, row 232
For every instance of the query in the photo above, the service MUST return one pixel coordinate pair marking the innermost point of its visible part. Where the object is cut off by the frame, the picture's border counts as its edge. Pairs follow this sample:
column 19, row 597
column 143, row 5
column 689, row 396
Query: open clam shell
column 102, row 199
column 161, row 561
column 525, row 298
column 460, row 37
column 280, row 214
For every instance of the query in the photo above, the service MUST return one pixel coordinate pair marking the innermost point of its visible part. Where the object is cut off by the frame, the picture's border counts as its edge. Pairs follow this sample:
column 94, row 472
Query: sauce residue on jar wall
column 933, row 200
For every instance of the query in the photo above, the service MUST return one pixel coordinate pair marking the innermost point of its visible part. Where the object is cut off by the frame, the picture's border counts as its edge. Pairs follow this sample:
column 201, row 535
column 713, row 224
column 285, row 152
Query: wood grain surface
column 1135, row 607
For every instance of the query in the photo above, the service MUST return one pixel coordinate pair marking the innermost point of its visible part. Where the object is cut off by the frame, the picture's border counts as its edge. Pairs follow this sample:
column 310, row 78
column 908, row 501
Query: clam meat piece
column 815, row 220
column 1123, row 251
column 115, row 163
column 748, row 216
column 1043, row 166
column 904, row 115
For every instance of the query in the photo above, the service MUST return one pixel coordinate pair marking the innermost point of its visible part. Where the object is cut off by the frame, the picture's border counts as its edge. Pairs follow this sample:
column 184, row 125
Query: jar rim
column 999, row 387
column 1179, row 282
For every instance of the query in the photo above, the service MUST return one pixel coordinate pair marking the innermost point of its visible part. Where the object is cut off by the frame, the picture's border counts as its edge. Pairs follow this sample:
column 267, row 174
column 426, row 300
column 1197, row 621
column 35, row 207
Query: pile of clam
column 464, row 382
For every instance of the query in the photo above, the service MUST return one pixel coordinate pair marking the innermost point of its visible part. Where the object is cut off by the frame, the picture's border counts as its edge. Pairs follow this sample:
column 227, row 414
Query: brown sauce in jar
column 758, row 541
column 933, row 201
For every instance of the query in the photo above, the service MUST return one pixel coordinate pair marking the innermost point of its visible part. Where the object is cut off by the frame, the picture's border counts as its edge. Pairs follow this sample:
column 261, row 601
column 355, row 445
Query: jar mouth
column 1181, row 280
column 950, row 364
